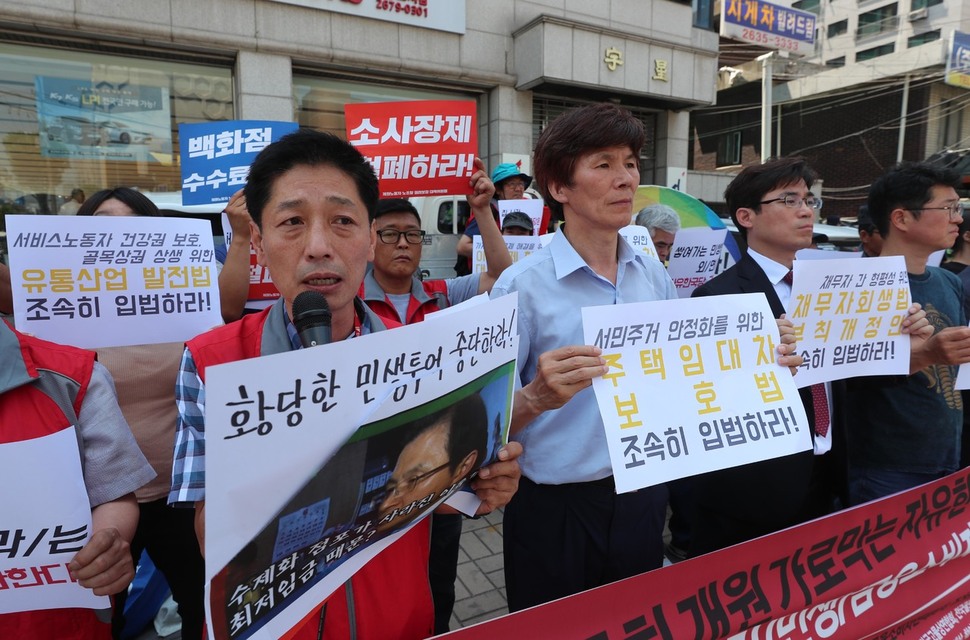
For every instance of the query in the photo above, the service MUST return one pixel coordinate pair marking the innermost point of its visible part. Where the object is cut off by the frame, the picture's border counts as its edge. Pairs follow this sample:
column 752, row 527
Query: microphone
column 311, row 317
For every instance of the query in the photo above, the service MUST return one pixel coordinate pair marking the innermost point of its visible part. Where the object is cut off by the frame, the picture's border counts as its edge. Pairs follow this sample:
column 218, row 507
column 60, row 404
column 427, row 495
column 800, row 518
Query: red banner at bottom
column 894, row 568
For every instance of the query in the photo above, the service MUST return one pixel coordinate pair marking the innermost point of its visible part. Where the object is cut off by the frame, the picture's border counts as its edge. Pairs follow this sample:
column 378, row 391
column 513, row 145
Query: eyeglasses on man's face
column 391, row 236
column 408, row 485
column 954, row 210
column 794, row 202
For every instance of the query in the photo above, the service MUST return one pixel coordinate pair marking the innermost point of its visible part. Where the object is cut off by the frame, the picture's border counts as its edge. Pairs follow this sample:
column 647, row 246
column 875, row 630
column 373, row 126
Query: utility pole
column 902, row 120
column 766, row 63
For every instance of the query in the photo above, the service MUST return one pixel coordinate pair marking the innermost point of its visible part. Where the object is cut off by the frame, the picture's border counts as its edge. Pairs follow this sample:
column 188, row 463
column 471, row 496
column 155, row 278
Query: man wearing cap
column 517, row 223
column 392, row 290
column 510, row 184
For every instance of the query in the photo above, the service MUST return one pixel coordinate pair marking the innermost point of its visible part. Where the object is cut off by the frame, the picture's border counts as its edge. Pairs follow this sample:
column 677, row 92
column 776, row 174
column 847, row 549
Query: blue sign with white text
column 216, row 155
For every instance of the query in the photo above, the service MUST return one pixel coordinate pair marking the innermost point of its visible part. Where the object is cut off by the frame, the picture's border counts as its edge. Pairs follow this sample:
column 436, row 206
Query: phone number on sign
column 403, row 7
column 778, row 42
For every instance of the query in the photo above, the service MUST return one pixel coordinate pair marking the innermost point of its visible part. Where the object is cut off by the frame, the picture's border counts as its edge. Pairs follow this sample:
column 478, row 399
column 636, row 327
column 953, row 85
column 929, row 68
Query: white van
column 442, row 217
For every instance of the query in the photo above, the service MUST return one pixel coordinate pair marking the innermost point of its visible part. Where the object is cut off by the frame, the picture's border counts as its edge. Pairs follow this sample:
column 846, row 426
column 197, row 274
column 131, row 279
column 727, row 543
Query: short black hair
column 906, row 185
column 136, row 201
column 307, row 147
column 394, row 205
column 467, row 422
column 749, row 187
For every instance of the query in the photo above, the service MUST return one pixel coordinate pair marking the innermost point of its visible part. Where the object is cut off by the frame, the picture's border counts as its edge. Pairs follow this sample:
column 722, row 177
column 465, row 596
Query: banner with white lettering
column 847, row 316
column 345, row 446
column 894, row 569
column 417, row 148
column 43, row 524
column 216, row 155
column 692, row 386
column 110, row 281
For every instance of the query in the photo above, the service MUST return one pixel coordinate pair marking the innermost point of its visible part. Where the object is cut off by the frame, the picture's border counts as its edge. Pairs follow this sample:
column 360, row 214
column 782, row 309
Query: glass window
column 924, row 4
column 807, row 5
column 79, row 120
column 729, row 149
column 875, row 52
column 836, row 62
column 923, row 38
column 877, row 21
column 838, row 28
column 319, row 102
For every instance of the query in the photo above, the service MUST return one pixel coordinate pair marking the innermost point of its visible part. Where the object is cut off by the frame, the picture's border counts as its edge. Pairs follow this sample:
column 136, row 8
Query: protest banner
column 419, row 148
column 43, row 524
column 322, row 445
column 519, row 247
column 847, row 316
column 261, row 287
column 895, row 568
column 111, row 281
column 216, row 155
column 694, row 258
column 535, row 209
column 692, row 386
column 639, row 237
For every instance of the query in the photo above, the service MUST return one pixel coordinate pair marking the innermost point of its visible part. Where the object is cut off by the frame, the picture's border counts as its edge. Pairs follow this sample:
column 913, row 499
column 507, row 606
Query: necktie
column 820, row 401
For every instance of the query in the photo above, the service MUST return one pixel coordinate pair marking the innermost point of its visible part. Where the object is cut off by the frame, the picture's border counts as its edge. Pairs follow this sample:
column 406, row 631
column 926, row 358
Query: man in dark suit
column 774, row 209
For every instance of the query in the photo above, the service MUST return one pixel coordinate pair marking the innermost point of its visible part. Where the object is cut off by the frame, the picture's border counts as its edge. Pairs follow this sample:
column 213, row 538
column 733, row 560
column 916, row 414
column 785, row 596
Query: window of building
column 924, row 4
column 77, row 119
column 703, row 13
column 878, row 21
column 923, row 38
column 836, row 62
column 838, row 28
column 875, row 52
column 807, row 5
column 729, row 149
column 546, row 108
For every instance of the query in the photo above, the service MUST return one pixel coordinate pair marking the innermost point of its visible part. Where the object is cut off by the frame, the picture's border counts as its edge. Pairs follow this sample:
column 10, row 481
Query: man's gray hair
column 659, row 216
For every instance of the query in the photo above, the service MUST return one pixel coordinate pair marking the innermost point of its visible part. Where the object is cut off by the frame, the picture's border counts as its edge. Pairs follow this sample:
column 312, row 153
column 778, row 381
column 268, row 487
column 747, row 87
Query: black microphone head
column 310, row 309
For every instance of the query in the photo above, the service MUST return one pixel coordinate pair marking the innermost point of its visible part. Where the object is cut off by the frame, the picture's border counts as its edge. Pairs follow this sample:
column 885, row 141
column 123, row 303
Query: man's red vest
column 31, row 367
column 390, row 596
column 427, row 296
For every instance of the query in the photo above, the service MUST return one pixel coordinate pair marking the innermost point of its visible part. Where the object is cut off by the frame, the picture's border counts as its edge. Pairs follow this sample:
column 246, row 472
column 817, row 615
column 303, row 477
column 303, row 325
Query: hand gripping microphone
column 311, row 317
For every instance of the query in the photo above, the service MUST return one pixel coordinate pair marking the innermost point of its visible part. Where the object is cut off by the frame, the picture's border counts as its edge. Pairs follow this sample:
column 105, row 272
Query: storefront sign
column 769, row 25
column 440, row 15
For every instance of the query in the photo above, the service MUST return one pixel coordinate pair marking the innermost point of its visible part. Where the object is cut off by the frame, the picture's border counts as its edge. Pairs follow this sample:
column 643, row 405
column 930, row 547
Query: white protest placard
column 312, row 506
column 639, row 237
column 46, row 520
column 528, row 206
column 111, row 281
column 694, row 257
column 824, row 254
column 847, row 316
column 519, row 247
column 693, row 386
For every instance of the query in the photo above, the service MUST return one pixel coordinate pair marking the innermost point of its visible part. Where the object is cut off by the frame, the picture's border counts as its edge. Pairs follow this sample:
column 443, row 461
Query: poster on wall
column 114, row 121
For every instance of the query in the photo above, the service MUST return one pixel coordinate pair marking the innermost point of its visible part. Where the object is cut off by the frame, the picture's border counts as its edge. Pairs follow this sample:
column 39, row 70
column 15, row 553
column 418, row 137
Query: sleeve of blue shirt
column 188, row 467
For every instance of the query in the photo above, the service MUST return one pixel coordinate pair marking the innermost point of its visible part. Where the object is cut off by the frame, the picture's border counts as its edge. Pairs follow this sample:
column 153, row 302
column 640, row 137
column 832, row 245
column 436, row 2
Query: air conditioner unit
column 918, row 14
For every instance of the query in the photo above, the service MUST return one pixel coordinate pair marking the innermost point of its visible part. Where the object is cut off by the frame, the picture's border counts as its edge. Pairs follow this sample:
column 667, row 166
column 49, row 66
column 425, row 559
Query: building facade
column 94, row 90
column 873, row 94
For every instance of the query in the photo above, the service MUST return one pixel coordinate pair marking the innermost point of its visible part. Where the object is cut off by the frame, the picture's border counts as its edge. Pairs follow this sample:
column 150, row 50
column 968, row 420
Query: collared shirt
column 776, row 275
column 188, row 467
column 569, row 444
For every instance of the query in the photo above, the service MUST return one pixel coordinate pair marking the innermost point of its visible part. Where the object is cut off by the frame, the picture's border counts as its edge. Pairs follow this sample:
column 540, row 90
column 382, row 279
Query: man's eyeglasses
column 391, row 236
column 953, row 210
column 794, row 202
column 408, row 484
